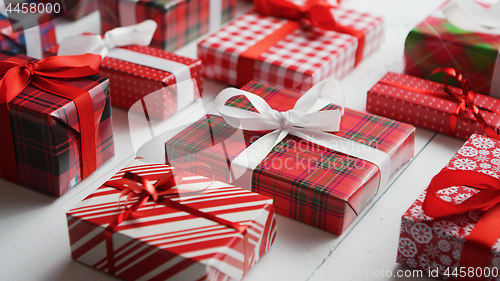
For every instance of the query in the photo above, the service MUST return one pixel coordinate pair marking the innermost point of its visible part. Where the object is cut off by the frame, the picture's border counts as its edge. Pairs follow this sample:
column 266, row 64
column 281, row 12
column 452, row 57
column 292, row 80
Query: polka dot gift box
column 427, row 104
column 448, row 230
column 130, row 82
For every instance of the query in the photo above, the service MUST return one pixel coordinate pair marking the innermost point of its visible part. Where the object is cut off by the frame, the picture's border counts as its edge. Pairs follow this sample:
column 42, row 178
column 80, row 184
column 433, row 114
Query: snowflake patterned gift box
column 146, row 78
column 308, row 182
column 437, row 42
column 209, row 231
column 46, row 144
column 441, row 231
column 32, row 42
column 179, row 22
column 428, row 104
column 289, row 54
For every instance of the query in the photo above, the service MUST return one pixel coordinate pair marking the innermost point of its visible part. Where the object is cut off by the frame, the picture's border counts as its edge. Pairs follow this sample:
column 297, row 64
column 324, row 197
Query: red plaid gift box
column 303, row 58
column 435, row 42
column 438, row 244
column 308, row 182
column 130, row 82
column 32, row 42
column 179, row 22
column 426, row 104
column 164, row 241
column 83, row 8
column 46, row 131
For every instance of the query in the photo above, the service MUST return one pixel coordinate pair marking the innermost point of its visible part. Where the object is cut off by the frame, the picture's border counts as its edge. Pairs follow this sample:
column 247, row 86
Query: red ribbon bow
column 133, row 185
column 465, row 99
column 318, row 13
column 477, row 247
column 45, row 75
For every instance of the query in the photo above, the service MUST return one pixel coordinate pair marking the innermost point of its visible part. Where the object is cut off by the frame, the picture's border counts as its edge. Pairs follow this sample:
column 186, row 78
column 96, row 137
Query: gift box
column 83, row 8
column 308, row 181
column 289, row 54
column 32, row 42
column 215, row 231
column 51, row 147
column 130, row 82
column 427, row 104
column 435, row 42
column 445, row 244
column 179, row 22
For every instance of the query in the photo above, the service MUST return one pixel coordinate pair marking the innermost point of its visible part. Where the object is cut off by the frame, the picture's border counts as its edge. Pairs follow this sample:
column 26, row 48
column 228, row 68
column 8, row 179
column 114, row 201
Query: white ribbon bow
column 139, row 34
column 470, row 16
column 304, row 121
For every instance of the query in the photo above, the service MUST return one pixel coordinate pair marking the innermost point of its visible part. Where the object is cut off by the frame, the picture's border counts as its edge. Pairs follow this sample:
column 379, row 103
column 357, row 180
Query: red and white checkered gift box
column 160, row 242
column 302, row 59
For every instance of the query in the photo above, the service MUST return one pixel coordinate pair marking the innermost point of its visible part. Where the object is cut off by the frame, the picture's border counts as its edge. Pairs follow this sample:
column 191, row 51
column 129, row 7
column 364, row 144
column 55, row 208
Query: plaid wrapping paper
column 431, row 112
column 428, row 243
column 83, row 8
column 308, row 182
column 161, row 243
column 296, row 63
column 179, row 22
column 437, row 43
column 15, row 42
column 131, row 82
column 46, row 133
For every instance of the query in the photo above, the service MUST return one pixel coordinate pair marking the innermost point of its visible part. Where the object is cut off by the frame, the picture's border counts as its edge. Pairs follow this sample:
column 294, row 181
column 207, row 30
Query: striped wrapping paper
column 436, row 43
column 15, row 41
column 308, row 182
column 46, row 133
column 162, row 243
column 179, row 21
column 130, row 82
column 296, row 63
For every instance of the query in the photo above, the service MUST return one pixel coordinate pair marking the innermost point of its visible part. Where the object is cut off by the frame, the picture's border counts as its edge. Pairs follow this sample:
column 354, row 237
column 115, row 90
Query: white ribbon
column 127, row 14
column 32, row 36
column 304, row 121
column 139, row 34
column 470, row 16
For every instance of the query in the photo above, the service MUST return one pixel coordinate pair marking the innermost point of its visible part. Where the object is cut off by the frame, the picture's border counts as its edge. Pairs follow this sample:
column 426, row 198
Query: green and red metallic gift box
column 46, row 132
column 179, row 22
column 307, row 181
column 435, row 42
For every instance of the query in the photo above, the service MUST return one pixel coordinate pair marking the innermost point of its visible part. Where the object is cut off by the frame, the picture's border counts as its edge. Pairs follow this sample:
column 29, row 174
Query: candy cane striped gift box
column 160, row 242
column 296, row 63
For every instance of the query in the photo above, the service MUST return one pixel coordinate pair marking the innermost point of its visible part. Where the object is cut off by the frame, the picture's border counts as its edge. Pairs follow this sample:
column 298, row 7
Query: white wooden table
column 34, row 242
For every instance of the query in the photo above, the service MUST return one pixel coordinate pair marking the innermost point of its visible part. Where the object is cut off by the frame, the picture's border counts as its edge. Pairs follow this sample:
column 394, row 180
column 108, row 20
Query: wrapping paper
column 83, row 8
column 297, row 62
column 46, row 133
column 427, row 243
column 179, row 22
column 308, row 182
column 432, row 112
column 160, row 242
column 16, row 41
column 130, row 82
column 436, row 43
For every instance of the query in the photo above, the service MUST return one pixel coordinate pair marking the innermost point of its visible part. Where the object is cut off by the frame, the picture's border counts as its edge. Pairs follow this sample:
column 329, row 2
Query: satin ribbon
column 464, row 100
column 471, row 16
column 317, row 13
column 305, row 121
column 140, row 34
column 477, row 247
column 46, row 75
column 162, row 192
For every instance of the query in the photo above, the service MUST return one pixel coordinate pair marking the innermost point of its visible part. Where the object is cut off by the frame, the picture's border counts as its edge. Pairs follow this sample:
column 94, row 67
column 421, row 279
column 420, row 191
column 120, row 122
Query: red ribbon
column 464, row 99
column 45, row 75
column 318, row 13
column 133, row 185
column 477, row 247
